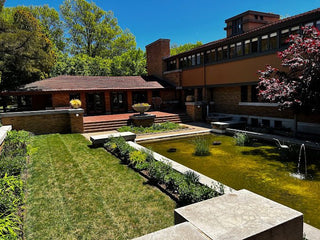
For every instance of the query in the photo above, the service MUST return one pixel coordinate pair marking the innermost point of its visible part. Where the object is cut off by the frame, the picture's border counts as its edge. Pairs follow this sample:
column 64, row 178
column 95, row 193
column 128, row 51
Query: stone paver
column 181, row 231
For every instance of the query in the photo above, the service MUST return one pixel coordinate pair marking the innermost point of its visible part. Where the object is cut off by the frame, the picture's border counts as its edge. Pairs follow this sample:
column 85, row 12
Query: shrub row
column 157, row 127
column 12, row 163
column 186, row 186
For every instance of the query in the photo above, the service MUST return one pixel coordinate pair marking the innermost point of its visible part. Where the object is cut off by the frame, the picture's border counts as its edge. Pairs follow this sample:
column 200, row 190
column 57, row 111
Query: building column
column 129, row 100
column 107, row 102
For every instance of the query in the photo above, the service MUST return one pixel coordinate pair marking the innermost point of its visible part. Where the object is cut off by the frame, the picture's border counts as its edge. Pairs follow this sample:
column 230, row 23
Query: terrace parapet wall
column 46, row 121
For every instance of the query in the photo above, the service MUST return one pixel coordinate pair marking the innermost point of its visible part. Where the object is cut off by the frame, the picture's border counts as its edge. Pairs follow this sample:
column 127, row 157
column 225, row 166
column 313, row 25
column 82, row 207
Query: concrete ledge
column 101, row 139
column 41, row 112
column 183, row 231
column 3, row 132
column 243, row 215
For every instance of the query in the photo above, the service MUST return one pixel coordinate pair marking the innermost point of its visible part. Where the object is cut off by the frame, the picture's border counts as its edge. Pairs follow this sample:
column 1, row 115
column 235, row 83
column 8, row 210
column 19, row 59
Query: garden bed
column 183, row 188
column 155, row 128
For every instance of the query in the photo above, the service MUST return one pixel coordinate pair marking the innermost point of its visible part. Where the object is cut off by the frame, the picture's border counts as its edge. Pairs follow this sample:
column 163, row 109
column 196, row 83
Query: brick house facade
column 222, row 75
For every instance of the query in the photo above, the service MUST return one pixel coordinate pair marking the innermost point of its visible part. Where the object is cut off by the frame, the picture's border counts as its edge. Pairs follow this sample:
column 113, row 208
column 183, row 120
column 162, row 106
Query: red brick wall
column 226, row 100
column 155, row 52
column 53, row 121
column 60, row 99
column 173, row 77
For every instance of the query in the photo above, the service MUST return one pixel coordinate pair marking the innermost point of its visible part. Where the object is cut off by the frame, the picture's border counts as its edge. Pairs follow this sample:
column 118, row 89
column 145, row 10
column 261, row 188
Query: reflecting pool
column 260, row 168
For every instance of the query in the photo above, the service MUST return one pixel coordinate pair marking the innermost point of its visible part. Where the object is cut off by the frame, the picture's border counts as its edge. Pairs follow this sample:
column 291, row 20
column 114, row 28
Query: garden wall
column 46, row 121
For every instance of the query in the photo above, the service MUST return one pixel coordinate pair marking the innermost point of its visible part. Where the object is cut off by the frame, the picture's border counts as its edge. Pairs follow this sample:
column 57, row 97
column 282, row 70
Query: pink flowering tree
column 298, row 86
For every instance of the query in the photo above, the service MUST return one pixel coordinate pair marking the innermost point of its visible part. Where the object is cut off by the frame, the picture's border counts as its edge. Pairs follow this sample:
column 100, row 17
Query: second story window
column 247, row 47
column 219, row 53
column 237, row 26
column 232, row 50
column 239, row 49
column 273, row 41
column 254, row 45
column 284, row 37
column 225, row 52
column 264, row 43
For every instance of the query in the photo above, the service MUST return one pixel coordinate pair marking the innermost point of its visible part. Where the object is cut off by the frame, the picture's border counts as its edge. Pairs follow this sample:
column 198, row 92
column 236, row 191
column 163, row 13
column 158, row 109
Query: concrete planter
column 141, row 108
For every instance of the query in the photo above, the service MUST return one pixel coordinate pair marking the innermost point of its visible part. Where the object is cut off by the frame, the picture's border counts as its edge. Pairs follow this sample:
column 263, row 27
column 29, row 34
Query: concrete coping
column 185, row 231
column 42, row 112
column 243, row 215
column 101, row 139
column 203, row 179
column 3, row 132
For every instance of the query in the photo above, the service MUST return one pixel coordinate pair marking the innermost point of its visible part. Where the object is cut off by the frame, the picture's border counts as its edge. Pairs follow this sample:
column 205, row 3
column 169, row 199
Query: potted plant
column 141, row 107
column 75, row 103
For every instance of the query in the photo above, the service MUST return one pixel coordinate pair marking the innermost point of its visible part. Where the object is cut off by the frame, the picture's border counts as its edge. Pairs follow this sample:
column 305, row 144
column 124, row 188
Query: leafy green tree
column 26, row 54
column 131, row 63
column 94, row 31
column 51, row 23
column 176, row 49
column 81, row 64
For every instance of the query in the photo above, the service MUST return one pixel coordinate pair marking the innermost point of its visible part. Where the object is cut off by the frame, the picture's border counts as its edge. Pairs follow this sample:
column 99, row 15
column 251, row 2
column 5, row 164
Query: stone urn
column 142, row 119
column 141, row 107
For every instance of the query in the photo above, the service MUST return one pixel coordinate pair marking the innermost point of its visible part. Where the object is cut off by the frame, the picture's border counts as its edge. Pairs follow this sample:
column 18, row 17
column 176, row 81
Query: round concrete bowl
column 141, row 109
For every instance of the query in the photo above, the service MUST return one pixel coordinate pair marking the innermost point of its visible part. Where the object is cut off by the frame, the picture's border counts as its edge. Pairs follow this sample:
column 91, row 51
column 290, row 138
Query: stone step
column 243, row 215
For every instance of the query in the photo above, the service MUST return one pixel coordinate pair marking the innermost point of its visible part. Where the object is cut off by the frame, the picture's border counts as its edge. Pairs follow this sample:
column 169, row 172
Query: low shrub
column 137, row 157
column 157, row 127
column 242, row 139
column 12, row 166
column 191, row 177
column 187, row 185
column 158, row 170
column 11, row 198
column 201, row 146
column 15, row 143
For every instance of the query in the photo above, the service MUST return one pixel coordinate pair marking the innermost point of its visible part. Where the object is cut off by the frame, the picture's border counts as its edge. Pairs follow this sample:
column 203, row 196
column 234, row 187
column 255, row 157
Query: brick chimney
column 248, row 21
column 156, row 51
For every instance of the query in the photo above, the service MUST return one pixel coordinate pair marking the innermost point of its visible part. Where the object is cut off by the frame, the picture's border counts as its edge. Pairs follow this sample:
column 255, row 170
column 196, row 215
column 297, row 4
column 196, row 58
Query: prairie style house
column 222, row 75
column 217, row 77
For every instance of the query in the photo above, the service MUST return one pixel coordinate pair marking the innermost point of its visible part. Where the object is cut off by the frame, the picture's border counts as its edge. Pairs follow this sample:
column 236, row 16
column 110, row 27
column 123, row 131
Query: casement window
column 254, row 45
column 273, row 41
column 264, row 43
column 237, row 26
column 232, row 51
column 199, row 58
column 295, row 30
column 210, row 56
column 171, row 65
column 284, row 37
column 247, row 47
column 225, row 52
column 193, row 60
column 239, row 49
column 219, row 53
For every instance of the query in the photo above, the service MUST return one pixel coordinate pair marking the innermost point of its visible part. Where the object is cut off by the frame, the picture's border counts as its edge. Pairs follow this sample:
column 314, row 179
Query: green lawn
column 74, row 192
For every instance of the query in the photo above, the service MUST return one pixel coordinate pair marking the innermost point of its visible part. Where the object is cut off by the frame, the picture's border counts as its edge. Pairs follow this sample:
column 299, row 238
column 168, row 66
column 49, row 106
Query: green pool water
column 259, row 168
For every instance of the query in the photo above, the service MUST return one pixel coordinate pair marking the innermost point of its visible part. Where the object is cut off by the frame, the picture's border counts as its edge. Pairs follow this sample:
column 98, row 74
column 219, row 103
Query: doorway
column 95, row 103
column 118, row 102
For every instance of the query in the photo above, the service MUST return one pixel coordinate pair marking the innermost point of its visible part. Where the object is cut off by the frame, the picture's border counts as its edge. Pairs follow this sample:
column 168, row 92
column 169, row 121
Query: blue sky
column 182, row 21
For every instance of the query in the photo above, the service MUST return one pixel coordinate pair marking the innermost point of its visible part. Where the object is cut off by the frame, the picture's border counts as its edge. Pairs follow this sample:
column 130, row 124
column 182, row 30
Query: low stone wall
column 45, row 121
